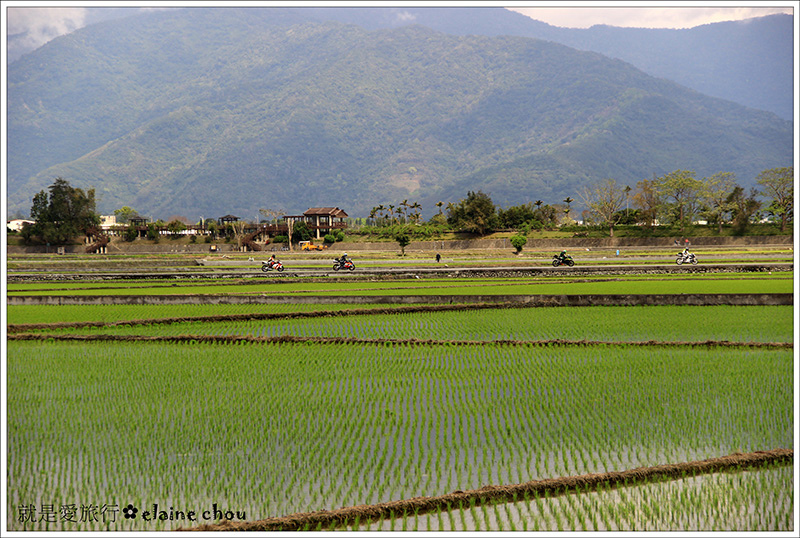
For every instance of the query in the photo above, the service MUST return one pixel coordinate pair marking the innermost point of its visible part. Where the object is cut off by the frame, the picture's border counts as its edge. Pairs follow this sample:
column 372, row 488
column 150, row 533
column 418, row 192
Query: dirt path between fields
column 325, row 519
column 206, row 339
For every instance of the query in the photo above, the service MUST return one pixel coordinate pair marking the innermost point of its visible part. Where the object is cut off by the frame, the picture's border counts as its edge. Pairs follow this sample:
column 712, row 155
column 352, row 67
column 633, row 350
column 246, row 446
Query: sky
column 650, row 15
column 30, row 24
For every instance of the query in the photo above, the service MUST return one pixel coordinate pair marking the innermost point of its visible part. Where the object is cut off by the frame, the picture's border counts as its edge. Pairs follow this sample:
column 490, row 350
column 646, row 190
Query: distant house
column 227, row 219
column 321, row 220
column 17, row 224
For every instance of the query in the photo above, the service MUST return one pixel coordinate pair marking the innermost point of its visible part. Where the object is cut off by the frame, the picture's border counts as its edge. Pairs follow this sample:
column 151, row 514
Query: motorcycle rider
column 272, row 260
column 344, row 259
column 563, row 256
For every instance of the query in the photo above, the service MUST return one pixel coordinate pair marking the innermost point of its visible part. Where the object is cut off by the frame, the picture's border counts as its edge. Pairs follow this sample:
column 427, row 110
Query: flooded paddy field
column 367, row 413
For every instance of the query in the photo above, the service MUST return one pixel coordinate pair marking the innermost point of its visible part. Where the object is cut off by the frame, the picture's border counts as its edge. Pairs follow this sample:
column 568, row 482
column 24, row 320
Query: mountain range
column 204, row 112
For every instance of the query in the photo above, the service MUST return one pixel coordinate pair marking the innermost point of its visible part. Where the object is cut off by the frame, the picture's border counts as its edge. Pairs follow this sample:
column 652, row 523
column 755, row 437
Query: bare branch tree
column 274, row 214
column 238, row 232
column 605, row 199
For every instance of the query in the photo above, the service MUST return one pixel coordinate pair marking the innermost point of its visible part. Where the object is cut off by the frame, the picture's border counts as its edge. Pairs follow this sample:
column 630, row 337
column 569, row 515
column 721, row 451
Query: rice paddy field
column 158, row 417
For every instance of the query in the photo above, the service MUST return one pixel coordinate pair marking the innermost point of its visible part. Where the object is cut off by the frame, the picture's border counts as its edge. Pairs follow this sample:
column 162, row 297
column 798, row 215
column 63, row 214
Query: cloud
column 405, row 16
column 31, row 28
column 644, row 17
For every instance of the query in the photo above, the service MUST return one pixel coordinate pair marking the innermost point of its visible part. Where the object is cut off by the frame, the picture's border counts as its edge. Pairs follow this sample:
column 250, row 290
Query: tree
column 628, row 216
column 518, row 241
column 474, row 214
column 680, row 192
column 130, row 234
column 63, row 213
column 417, row 213
column 743, row 208
column 646, row 198
column 778, row 184
column 300, row 232
column 546, row 216
column 152, row 233
column 125, row 214
column 604, row 200
column 403, row 240
column 271, row 214
column 516, row 216
column 627, row 190
column 175, row 227
column 212, row 227
column 715, row 194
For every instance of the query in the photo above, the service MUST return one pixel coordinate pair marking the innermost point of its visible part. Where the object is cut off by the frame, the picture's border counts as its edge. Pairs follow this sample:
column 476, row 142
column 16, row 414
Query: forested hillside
column 204, row 112
column 750, row 62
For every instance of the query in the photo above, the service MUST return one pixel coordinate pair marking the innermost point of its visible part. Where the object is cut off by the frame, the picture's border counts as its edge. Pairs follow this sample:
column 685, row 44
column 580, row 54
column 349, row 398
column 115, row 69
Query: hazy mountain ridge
column 750, row 62
column 204, row 112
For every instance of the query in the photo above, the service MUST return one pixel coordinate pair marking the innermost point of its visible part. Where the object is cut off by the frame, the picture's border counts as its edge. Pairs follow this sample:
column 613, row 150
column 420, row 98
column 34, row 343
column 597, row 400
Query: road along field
column 246, row 412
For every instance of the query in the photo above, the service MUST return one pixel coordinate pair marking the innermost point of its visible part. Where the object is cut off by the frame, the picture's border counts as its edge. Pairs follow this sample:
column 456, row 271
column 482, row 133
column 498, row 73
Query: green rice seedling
column 605, row 323
column 283, row 415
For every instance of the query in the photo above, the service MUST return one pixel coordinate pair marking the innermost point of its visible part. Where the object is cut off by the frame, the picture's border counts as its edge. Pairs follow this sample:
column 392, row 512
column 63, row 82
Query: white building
column 16, row 224
column 108, row 221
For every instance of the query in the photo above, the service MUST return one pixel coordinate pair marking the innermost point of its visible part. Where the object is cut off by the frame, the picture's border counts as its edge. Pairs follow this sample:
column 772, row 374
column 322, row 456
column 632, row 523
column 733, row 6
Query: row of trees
column 676, row 199
column 62, row 212
column 679, row 197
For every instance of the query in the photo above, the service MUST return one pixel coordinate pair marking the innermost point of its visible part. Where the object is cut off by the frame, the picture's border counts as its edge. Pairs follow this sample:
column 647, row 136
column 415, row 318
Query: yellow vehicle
column 308, row 245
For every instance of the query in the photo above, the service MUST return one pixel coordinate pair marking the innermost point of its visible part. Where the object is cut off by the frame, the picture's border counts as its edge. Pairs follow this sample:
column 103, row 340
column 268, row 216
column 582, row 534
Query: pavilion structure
column 321, row 220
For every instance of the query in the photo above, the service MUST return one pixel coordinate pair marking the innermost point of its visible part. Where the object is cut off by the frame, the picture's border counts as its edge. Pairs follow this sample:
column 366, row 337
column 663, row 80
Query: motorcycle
column 269, row 266
column 566, row 261
column 348, row 265
column 686, row 258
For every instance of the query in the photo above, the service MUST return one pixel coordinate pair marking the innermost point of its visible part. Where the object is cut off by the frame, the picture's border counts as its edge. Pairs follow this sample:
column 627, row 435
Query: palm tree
column 567, row 201
column 416, row 214
column 439, row 204
column 379, row 211
column 627, row 192
column 405, row 206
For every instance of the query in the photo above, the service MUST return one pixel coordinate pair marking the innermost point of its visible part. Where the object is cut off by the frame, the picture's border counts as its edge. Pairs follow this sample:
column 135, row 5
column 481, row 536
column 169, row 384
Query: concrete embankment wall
column 164, row 247
column 696, row 299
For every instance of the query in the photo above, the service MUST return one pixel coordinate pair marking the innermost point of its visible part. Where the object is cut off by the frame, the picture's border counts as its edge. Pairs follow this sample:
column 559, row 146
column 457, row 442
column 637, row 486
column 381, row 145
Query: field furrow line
column 494, row 494
column 238, row 339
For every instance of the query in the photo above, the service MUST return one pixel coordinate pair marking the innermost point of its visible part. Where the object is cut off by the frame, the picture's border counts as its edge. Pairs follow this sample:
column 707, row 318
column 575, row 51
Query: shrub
column 130, row 234
column 152, row 233
column 403, row 240
column 518, row 241
column 329, row 238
